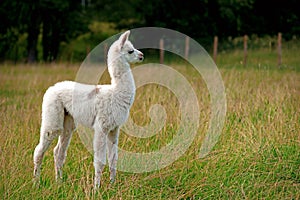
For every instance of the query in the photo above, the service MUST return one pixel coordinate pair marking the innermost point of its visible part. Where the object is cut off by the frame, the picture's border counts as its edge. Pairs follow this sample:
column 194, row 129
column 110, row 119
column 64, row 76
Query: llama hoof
column 58, row 176
column 36, row 183
column 112, row 181
column 97, row 183
column 59, row 180
column 112, row 176
column 96, row 187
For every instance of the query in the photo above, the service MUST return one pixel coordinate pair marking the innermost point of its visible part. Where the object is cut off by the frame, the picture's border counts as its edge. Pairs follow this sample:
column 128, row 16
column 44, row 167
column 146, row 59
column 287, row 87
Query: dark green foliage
column 51, row 23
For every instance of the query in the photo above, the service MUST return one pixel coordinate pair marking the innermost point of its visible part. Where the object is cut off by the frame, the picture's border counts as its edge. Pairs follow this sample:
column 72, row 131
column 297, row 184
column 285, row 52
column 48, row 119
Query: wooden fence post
column 105, row 51
column 245, row 50
column 187, row 47
column 279, row 43
column 215, row 48
column 161, row 51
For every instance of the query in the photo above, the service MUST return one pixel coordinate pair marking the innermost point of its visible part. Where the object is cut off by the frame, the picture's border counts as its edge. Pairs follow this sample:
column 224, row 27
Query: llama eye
column 131, row 51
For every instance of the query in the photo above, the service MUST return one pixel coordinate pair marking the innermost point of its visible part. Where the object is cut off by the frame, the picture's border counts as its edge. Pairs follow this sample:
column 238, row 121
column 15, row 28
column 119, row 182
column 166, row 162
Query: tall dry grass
column 257, row 156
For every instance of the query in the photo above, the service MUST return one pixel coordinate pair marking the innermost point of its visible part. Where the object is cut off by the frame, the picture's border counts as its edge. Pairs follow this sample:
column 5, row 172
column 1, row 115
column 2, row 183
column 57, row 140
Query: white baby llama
column 104, row 108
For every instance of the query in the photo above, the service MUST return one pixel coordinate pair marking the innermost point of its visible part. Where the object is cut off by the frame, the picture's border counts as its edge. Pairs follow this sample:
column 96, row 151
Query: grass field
column 256, row 157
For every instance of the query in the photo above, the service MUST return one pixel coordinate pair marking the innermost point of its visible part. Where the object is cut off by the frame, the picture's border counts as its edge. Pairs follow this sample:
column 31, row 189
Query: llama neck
column 121, row 75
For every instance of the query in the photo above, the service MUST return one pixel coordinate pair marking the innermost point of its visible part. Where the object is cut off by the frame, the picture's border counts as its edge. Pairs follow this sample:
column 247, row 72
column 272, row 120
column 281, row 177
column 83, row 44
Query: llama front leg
column 112, row 147
column 99, row 145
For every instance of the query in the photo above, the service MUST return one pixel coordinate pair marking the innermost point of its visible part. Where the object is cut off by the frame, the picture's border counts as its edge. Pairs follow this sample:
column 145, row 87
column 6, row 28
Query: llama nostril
column 141, row 56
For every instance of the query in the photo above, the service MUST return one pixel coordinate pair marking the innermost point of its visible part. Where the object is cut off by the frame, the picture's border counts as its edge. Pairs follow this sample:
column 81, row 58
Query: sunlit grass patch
column 256, row 157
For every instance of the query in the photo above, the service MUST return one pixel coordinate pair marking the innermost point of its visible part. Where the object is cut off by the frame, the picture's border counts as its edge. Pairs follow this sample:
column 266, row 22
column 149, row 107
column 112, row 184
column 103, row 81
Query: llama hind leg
column 60, row 150
column 60, row 153
column 45, row 140
column 112, row 147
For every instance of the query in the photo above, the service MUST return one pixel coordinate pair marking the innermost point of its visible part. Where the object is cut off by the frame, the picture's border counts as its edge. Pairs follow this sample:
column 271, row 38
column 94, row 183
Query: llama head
column 122, row 49
column 121, row 54
column 128, row 51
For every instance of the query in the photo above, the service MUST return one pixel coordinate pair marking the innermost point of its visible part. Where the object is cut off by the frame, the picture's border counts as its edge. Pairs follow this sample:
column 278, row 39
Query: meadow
column 257, row 155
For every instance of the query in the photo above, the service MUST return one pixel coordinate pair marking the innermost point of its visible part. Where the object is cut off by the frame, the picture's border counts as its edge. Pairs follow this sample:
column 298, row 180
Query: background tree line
column 38, row 30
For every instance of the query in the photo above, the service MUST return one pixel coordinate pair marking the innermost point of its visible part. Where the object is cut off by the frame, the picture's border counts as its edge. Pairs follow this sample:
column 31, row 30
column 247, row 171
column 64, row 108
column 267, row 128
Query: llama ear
column 123, row 38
